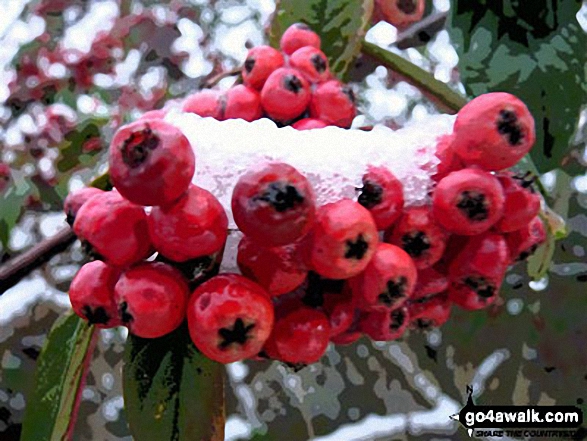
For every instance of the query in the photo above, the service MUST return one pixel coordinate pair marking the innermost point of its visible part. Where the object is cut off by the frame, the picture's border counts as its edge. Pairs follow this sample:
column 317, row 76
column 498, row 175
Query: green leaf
column 536, row 53
column 78, row 147
column 12, row 202
column 171, row 391
column 341, row 25
column 60, row 375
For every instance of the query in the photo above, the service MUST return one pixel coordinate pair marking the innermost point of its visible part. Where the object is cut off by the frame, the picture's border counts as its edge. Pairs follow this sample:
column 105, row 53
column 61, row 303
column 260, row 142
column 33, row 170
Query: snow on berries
column 294, row 231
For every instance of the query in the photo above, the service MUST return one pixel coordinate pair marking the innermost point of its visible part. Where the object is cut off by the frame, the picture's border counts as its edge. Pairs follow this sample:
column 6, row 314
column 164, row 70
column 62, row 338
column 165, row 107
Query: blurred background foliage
column 72, row 71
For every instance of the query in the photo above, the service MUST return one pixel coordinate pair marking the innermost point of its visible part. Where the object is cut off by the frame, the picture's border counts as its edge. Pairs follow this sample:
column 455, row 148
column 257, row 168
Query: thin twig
column 219, row 77
column 421, row 32
column 16, row 268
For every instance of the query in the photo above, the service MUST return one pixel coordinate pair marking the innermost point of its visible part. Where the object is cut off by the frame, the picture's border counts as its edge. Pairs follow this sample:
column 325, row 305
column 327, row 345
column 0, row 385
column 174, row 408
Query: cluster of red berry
column 293, row 86
column 310, row 274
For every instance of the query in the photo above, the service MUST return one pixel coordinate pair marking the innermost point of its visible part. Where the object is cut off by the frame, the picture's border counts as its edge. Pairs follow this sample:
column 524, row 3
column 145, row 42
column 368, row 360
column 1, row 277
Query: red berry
column 468, row 201
column 230, row 318
column 152, row 299
column 278, row 269
column 385, row 325
column 521, row 204
column 74, row 201
column 151, row 162
column 206, row 103
column 430, row 282
column 194, row 226
column 260, row 63
column 308, row 124
column 299, row 337
column 297, row 36
column 524, row 242
column 449, row 161
column 92, row 294
column 243, row 102
column 334, row 103
column 475, row 275
column 273, row 204
column 400, row 13
column 340, row 309
column 346, row 338
column 383, row 195
column 311, row 62
column 285, row 95
column 344, row 239
column 153, row 114
column 114, row 228
column 493, row 131
column 420, row 236
column 4, row 176
column 387, row 281
column 429, row 312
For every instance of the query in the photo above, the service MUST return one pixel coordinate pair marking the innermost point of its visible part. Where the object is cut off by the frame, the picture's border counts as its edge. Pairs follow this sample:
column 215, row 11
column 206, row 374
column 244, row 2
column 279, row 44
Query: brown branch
column 16, row 268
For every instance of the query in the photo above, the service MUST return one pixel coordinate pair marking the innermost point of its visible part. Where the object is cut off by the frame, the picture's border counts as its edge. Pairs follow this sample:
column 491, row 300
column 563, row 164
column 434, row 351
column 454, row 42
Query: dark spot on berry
column 407, row 6
column 125, row 316
column 394, row 290
column 356, row 249
column 97, row 316
column 348, row 91
column 239, row 333
column 508, row 125
column 137, row 147
column 481, row 286
column 473, row 205
column 318, row 62
column 527, row 253
column 371, row 194
column 249, row 64
column 292, row 83
column 415, row 243
column 398, row 317
column 282, row 196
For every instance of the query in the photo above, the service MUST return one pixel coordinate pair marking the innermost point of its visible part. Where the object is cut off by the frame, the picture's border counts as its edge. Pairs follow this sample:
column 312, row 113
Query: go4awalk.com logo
column 520, row 421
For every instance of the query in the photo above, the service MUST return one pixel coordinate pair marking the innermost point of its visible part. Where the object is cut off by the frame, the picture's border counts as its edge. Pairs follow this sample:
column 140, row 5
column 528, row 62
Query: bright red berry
column 308, row 124
column 297, row 36
column 400, row 13
column 387, row 281
column 243, row 102
column 285, row 95
column 385, row 325
column 475, row 275
column 260, row 63
column 92, row 294
column 429, row 312
column 194, row 226
column 278, row 269
column 340, row 310
column 383, row 195
column 299, row 337
column 334, row 103
column 420, row 236
column 493, row 131
column 230, row 318
column 521, row 204
column 449, row 161
column 151, row 162
column 468, row 201
column 206, row 103
column 311, row 62
column 523, row 243
column 74, row 201
column 347, row 337
column 344, row 239
column 430, row 282
column 115, row 229
column 152, row 299
column 273, row 204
